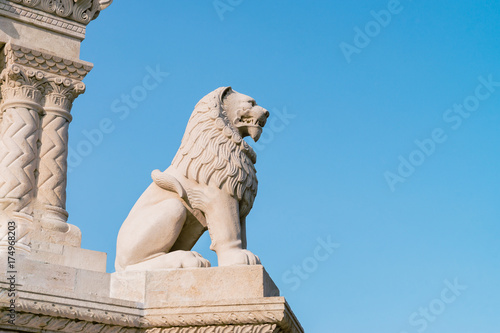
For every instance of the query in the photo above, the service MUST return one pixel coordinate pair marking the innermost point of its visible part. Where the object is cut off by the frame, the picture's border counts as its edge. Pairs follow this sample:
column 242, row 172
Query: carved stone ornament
column 211, row 184
column 52, row 313
column 82, row 11
column 49, row 63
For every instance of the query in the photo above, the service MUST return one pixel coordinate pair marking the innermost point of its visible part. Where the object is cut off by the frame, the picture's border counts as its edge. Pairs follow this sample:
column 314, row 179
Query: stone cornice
column 81, row 11
column 42, row 19
column 63, row 314
column 73, row 69
column 268, row 310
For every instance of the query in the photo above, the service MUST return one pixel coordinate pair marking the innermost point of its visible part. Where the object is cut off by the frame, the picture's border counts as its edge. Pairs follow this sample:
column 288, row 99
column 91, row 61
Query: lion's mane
column 213, row 150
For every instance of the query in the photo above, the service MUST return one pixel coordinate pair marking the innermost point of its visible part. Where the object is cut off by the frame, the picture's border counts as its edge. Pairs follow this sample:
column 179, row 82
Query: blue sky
column 378, row 194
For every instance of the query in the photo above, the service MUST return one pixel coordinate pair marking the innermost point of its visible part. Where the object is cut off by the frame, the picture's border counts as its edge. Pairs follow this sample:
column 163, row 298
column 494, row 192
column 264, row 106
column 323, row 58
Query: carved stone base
column 72, row 237
column 159, row 288
column 56, row 298
column 67, row 255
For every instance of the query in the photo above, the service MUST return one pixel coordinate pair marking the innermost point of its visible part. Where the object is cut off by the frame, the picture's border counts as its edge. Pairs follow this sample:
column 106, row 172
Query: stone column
column 41, row 74
column 59, row 95
column 19, row 138
column 38, row 90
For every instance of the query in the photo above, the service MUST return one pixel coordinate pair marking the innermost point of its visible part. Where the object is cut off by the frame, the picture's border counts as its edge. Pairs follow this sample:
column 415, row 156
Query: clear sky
column 378, row 205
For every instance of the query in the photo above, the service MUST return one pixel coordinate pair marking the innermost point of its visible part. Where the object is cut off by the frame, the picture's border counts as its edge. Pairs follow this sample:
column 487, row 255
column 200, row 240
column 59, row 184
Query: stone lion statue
column 211, row 184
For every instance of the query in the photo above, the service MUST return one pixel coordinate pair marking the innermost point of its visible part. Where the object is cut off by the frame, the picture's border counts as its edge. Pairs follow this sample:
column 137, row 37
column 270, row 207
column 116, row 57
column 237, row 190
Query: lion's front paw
column 237, row 257
column 186, row 259
column 176, row 259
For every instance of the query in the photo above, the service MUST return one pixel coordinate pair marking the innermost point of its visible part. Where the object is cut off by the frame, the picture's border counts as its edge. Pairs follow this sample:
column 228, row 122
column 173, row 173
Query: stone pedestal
column 161, row 288
column 57, row 298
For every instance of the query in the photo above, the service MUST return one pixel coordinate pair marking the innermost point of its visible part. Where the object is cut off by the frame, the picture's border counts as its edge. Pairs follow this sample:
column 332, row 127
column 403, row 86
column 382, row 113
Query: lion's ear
column 226, row 92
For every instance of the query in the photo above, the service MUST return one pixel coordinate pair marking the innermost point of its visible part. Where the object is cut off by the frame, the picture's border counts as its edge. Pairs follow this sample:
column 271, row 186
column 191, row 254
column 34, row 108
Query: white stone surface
column 55, row 298
column 211, row 184
column 70, row 256
column 36, row 38
column 57, row 279
column 165, row 287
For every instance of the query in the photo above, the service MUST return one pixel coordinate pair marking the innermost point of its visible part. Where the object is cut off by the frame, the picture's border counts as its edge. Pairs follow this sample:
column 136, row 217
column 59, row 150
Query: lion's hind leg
column 149, row 232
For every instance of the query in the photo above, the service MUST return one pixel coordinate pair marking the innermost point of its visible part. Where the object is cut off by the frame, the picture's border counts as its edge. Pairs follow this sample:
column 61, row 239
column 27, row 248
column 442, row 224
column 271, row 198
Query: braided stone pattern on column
column 18, row 154
column 53, row 161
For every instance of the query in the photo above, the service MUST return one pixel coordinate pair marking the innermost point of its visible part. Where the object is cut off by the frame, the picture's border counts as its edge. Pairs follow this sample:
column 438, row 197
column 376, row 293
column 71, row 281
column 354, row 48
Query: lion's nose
column 263, row 113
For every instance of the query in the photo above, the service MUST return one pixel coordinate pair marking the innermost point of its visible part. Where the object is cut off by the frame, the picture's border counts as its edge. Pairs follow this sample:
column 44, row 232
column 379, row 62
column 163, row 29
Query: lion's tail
column 168, row 182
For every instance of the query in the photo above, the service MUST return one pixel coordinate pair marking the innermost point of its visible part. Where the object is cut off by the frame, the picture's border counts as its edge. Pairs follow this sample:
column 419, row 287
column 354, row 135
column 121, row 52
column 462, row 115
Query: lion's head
column 213, row 151
column 244, row 114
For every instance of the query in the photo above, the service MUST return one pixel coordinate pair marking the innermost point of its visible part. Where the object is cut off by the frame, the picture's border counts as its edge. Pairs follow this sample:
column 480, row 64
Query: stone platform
column 56, row 298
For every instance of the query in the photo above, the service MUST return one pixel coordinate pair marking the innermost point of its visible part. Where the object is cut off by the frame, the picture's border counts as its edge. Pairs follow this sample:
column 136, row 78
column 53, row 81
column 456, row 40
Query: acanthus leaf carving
column 60, row 92
column 19, row 83
column 85, row 10
column 82, row 11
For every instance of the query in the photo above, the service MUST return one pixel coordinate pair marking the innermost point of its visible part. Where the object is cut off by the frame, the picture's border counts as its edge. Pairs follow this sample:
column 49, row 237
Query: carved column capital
column 60, row 93
column 36, row 78
column 22, row 87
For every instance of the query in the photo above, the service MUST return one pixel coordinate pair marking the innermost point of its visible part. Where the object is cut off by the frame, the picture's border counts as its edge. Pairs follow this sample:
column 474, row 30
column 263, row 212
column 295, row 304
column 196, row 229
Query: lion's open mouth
column 250, row 121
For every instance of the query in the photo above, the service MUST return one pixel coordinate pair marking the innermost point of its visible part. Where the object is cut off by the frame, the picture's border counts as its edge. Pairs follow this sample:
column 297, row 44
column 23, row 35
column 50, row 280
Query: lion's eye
column 253, row 103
